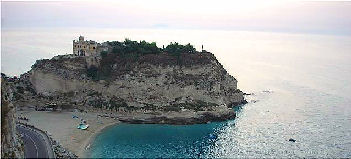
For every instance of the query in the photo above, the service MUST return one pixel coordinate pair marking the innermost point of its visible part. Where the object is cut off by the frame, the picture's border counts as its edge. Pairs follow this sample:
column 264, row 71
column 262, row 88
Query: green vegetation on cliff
column 130, row 48
column 123, row 56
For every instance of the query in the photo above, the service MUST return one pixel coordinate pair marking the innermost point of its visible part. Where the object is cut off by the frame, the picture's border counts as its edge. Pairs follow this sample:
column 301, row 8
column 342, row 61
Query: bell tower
column 81, row 38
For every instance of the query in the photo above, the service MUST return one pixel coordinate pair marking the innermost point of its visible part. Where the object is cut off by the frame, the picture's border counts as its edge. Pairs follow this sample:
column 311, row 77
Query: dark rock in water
column 292, row 140
column 235, row 104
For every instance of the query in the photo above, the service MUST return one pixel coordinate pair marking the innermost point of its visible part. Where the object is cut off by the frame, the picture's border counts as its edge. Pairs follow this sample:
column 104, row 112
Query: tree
column 103, row 53
column 175, row 48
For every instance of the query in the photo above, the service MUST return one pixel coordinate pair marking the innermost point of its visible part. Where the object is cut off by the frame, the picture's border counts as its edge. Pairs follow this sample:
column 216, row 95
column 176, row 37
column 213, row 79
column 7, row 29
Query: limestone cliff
column 195, row 83
column 11, row 144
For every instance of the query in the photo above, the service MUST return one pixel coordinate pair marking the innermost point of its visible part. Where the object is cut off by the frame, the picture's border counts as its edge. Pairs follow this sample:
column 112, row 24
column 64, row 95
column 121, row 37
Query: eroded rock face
column 185, row 117
column 155, row 82
column 143, row 82
column 11, row 143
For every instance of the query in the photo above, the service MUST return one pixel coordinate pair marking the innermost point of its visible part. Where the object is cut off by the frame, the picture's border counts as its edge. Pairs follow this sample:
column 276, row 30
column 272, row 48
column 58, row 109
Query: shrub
column 143, row 48
column 134, row 47
column 92, row 72
column 103, row 53
column 176, row 49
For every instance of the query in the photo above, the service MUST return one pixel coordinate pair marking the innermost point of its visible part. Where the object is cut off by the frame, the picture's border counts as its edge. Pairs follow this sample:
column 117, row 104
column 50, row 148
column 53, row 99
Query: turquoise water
column 301, row 86
column 154, row 141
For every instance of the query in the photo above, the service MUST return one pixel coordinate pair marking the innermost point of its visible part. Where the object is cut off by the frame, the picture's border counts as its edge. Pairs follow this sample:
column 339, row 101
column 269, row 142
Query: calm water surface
column 301, row 86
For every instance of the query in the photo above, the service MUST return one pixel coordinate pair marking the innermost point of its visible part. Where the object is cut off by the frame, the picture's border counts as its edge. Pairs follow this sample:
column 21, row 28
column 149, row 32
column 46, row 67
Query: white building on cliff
column 85, row 48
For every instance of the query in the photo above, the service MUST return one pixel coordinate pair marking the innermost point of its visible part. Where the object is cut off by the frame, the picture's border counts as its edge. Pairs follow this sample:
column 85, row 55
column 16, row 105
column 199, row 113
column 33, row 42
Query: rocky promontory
column 170, row 85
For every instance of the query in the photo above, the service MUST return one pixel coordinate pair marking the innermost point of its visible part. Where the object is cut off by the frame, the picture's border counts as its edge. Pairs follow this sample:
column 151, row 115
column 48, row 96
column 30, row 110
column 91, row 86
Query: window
column 93, row 47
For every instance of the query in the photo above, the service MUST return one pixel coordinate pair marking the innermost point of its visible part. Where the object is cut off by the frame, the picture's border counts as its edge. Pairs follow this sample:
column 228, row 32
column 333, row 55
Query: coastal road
column 35, row 144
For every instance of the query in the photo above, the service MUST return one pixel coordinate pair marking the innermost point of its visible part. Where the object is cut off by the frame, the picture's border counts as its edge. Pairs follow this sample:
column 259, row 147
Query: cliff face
column 11, row 144
column 154, row 82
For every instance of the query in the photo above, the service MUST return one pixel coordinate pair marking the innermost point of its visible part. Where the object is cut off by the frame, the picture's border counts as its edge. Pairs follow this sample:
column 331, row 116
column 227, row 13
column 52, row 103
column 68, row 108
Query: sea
column 300, row 86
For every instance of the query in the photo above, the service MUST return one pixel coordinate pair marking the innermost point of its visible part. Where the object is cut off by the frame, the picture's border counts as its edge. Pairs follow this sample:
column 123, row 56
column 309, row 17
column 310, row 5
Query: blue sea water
column 155, row 141
column 320, row 126
column 300, row 84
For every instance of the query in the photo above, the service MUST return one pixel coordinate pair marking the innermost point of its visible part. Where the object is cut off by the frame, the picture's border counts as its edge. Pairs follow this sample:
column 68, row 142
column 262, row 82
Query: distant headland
column 137, row 77
column 129, row 81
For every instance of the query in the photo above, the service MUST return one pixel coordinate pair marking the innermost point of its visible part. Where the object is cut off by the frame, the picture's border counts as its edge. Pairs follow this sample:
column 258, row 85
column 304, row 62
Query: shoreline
column 83, row 153
column 62, row 127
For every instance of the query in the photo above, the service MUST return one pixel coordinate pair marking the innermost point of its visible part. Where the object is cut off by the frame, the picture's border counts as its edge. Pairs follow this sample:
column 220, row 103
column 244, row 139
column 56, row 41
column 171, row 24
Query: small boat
column 82, row 126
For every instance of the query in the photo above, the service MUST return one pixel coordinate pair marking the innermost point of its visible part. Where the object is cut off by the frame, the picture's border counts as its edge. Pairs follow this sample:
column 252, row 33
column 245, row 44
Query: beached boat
column 83, row 126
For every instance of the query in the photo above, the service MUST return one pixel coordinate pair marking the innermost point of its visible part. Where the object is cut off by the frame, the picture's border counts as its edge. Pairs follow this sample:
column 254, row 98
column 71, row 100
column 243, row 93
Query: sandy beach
column 62, row 127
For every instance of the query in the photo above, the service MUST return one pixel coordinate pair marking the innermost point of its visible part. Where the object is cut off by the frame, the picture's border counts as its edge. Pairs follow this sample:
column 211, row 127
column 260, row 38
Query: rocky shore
column 181, row 118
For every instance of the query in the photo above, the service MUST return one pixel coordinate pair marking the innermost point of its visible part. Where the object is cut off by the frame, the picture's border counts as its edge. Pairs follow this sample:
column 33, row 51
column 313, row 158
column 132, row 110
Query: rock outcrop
column 195, row 83
column 11, row 143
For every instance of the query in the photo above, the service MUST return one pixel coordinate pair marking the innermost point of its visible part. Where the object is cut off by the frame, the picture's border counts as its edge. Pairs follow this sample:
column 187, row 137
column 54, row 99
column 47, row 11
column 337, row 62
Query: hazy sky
column 293, row 16
column 42, row 29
